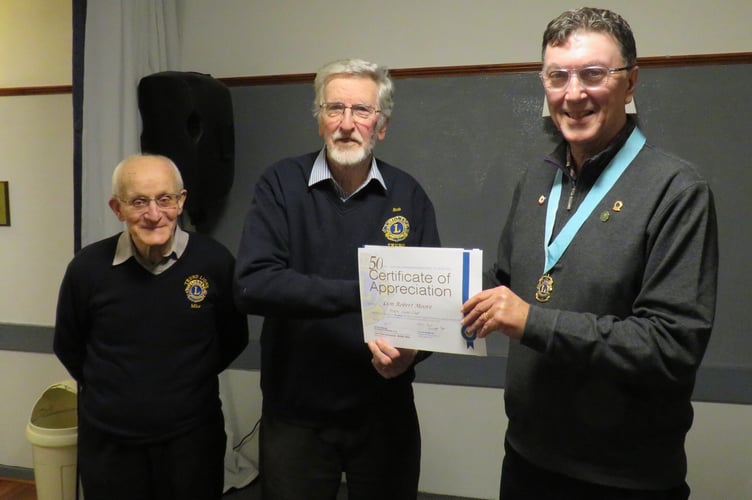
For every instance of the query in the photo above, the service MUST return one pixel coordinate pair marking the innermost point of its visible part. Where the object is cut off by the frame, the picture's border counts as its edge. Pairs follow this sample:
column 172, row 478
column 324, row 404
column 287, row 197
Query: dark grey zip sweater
column 599, row 386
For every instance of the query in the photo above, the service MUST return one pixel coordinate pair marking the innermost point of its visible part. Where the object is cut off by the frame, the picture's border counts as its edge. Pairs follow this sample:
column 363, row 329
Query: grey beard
column 350, row 158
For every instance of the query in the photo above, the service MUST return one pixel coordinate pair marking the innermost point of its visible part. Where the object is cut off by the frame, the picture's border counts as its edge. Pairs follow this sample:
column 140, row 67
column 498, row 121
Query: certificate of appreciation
column 411, row 296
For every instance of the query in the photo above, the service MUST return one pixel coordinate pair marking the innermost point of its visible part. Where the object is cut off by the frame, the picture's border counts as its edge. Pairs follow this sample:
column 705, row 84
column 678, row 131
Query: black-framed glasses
column 360, row 112
column 590, row 77
column 164, row 201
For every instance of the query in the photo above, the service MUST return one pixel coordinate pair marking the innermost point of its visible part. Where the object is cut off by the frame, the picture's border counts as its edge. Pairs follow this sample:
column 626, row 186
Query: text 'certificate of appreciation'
column 411, row 296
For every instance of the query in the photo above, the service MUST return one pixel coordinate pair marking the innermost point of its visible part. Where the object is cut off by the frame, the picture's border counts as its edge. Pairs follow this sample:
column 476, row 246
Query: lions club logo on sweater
column 196, row 288
column 396, row 228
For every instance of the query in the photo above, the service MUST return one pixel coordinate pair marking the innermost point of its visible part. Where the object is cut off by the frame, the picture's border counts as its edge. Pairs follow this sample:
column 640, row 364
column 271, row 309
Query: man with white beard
column 331, row 403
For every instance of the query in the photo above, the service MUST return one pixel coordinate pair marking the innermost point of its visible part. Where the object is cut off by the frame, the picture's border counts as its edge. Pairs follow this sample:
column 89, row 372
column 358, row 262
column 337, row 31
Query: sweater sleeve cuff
column 539, row 328
column 352, row 295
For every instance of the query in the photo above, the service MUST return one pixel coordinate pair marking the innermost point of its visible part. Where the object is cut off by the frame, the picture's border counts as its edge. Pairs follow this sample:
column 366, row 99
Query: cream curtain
column 125, row 41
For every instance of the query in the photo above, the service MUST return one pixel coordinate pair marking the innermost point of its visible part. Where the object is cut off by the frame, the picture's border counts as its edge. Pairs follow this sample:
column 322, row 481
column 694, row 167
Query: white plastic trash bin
column 53, row 433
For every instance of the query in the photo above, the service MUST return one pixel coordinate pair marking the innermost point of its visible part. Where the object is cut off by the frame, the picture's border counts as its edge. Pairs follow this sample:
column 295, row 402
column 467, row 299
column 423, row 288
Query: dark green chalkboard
column 467, row 138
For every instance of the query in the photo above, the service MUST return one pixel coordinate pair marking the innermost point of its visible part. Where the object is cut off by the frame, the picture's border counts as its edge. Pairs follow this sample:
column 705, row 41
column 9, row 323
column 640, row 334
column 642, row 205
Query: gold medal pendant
column 544, row 288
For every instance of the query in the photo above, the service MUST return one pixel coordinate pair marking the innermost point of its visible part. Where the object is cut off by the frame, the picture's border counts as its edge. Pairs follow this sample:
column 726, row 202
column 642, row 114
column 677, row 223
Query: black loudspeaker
column 187, row 117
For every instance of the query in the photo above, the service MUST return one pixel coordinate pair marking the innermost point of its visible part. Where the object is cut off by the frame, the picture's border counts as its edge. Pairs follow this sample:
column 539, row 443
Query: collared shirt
column 321, row 172
column 125, row 250
column 592, row 167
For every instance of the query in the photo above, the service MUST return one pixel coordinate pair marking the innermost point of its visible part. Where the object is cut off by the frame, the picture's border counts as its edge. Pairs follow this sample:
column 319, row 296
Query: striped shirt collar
column 321, row 172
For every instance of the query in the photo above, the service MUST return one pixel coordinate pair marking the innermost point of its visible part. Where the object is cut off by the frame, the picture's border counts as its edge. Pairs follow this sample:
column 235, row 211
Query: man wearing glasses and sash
column 607, row 271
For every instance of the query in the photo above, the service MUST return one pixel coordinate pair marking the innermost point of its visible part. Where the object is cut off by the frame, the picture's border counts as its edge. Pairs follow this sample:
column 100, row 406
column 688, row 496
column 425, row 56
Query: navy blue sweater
column 147, row 349
column 297, row 266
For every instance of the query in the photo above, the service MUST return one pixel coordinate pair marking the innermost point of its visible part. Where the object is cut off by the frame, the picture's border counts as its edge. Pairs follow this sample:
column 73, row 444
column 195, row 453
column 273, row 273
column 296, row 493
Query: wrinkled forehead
column 147, row 176
column 343, row 85
column 589, row 47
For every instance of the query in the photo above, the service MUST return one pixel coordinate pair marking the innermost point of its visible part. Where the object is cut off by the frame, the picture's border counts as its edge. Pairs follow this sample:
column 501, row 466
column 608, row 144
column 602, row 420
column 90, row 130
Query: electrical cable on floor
column 247, row 436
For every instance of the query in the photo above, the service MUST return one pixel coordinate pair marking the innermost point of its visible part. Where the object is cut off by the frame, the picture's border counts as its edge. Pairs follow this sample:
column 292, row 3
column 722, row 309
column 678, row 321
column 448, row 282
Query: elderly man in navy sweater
column 331, row 403
column 145, row 322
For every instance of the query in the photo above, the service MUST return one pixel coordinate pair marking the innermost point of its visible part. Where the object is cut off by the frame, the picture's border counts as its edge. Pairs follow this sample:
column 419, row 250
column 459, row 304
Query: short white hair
column 117, row 184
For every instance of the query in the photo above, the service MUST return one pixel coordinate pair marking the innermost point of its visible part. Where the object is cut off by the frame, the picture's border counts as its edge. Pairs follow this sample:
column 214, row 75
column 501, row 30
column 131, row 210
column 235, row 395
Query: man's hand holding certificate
column 411, row 296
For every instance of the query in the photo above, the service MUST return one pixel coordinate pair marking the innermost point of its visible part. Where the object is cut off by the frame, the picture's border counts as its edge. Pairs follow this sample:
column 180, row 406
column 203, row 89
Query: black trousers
column 521, row 480
column 188, row 467
column 379, row 455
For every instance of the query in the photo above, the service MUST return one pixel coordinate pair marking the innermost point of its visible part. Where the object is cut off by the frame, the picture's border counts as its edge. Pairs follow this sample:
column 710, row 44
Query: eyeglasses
column 165, row 201
column 591, row 77
column 360, row 112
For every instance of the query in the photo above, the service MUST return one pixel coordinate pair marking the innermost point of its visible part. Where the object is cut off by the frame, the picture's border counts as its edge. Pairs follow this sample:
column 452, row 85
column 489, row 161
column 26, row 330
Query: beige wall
column 462, row 427
column 268, row 37
column 35, row 42
column 36, row 143
column 36, row 140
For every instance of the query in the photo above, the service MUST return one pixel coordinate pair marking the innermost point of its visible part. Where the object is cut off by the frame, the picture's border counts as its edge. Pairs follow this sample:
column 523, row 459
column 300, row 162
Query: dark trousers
column 521, row 480
column 379, row 455
column 188, row 467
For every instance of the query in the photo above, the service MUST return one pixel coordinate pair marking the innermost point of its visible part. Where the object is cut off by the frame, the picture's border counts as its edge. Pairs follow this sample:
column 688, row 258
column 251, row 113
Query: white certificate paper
column 411, row 296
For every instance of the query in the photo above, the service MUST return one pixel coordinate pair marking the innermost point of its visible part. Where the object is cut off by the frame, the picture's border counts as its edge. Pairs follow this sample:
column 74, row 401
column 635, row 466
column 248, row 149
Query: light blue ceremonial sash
column 602, row 185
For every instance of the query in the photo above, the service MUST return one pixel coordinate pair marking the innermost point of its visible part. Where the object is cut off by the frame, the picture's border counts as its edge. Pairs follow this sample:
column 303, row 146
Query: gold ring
column 485, row 316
